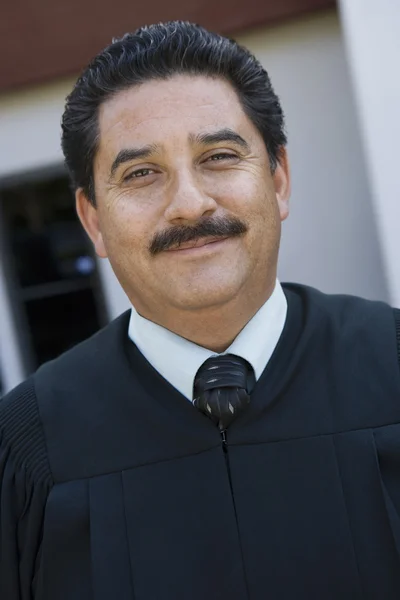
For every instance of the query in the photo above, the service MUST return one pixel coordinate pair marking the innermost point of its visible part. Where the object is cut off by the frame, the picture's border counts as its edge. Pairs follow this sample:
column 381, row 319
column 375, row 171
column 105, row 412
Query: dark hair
column 159, row 52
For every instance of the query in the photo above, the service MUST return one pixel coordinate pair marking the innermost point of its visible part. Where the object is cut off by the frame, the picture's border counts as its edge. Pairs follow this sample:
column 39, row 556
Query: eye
column 221, row 156
column 138, row 174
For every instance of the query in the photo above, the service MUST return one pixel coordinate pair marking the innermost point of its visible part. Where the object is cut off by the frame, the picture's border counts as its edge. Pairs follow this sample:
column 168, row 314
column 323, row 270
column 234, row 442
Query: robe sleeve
column 387, row 441
column 24, row 487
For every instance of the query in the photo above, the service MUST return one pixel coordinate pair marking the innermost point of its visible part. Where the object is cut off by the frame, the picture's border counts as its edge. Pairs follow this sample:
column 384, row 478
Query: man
column 229, row 437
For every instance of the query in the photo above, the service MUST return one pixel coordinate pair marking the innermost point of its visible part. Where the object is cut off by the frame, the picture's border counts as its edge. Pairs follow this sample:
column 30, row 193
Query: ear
column 282, row 182
column 89, row 217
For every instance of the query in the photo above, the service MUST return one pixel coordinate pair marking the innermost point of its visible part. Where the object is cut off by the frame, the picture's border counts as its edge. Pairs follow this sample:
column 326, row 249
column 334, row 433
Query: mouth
column 198, row 246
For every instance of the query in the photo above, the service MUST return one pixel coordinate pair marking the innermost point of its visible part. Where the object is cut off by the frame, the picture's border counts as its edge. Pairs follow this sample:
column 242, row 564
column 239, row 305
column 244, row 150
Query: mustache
column 175, row 236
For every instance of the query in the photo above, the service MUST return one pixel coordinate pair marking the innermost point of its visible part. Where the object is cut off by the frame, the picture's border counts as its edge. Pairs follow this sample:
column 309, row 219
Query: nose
column 188, row 201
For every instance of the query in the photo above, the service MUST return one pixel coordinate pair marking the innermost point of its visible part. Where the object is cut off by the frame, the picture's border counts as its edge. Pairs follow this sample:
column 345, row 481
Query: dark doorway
column 54, row 284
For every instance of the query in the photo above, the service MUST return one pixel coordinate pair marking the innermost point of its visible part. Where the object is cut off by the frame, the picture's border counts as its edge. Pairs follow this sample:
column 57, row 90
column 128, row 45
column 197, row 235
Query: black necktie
column 222, row 388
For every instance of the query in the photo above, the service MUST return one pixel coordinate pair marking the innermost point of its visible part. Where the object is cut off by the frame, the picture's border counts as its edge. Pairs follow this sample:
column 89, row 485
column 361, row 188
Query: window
column 53, row 279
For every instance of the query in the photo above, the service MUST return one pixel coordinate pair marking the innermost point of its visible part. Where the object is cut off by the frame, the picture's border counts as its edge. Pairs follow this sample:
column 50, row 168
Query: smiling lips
column 198, row 243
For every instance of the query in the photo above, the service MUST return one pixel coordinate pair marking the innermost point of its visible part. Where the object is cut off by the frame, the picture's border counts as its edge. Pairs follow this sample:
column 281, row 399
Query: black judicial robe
column 114, row 486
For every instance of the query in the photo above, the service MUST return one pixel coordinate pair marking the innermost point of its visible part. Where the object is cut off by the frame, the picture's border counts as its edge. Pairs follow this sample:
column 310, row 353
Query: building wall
column 330, row 240
column 375, row 69
column 11, row 369
column 30, row 128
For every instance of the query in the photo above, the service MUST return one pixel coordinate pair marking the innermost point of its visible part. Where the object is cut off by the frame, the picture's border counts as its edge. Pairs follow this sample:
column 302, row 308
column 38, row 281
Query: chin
column 205, row 298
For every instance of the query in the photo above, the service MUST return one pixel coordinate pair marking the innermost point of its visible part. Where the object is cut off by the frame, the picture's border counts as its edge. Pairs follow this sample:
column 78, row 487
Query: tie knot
column 222, row 388
column 224, row 371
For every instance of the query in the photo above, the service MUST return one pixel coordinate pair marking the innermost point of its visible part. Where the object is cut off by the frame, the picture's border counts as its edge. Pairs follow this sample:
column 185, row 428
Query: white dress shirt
column 178, row 360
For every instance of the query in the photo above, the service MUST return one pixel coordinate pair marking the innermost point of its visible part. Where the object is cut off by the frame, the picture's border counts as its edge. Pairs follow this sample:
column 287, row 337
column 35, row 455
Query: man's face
column 187, row 210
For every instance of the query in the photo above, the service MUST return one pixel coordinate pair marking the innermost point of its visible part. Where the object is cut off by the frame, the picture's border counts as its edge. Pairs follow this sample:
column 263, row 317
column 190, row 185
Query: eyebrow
column 207, row 139
column 222, row 135
column 129, row 154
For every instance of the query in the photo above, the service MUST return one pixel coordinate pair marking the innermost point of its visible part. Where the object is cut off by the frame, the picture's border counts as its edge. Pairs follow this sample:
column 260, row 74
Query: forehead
column 157, row 112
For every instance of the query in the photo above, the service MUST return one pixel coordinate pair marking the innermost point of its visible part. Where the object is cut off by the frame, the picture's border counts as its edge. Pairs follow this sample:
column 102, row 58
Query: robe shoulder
column 368, row 330
column 25, row 483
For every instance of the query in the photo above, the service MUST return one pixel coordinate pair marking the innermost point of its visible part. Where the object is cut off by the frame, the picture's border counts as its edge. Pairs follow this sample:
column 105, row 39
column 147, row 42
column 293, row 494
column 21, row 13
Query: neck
column 213, row 328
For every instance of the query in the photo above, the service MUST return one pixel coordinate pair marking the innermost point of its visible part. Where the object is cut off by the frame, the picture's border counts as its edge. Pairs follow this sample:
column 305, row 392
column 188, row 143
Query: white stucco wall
column 11, row 367
column 375, row 69
column 330, row 240
column 30, row 127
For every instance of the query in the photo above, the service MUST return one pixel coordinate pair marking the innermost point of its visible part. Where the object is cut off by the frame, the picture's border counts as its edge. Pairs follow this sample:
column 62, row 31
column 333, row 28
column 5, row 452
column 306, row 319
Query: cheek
column 250, row 198
column 124, row 238
column 249, row 183
column 126, row 223
column 257, row 205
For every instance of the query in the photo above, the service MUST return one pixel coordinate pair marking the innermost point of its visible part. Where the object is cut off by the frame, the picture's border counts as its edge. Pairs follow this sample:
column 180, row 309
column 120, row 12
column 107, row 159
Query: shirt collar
column 178, row 359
